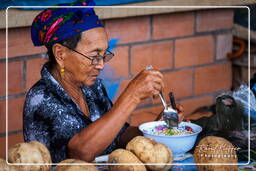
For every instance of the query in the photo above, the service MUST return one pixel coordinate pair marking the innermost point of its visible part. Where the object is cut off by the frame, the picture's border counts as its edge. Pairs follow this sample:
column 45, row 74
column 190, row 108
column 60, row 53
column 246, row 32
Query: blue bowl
column 179, row 144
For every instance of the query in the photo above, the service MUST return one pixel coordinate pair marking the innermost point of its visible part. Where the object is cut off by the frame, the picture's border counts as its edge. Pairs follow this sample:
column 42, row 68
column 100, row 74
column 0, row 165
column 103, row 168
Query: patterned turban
column 55, row 24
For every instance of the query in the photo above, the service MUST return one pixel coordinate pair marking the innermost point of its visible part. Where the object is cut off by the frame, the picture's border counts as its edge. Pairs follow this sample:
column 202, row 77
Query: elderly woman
column 68, row 109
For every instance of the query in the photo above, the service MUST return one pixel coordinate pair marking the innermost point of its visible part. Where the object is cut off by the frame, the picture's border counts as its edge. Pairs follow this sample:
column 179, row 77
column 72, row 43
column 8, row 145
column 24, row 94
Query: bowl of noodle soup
column 179, row 139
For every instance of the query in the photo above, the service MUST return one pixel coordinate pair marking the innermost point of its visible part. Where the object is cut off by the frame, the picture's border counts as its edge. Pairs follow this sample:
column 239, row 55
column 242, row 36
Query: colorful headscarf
column 55, row 24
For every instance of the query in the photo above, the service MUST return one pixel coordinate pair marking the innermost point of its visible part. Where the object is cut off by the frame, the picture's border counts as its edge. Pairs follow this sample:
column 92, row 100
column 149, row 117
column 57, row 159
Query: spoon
column 170, row 115
column 163, row 101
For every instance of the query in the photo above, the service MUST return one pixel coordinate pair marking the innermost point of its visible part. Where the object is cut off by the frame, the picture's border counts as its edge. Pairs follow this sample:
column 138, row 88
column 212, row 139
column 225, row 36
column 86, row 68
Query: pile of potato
column 37, row 153
column 32, row 152
column 22, row 153
column 141, row 151
column 3, row 165
column 212, row 149
column 71, row 167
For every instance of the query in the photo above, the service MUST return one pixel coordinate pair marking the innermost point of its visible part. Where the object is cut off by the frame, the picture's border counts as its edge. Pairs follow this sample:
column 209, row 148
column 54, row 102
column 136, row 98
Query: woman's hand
column 147, row 83
column 180, row 111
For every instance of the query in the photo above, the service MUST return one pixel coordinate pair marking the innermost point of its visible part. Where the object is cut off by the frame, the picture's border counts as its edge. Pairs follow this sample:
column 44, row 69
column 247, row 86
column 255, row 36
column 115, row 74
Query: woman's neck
column 73, row 89
column 69, row 85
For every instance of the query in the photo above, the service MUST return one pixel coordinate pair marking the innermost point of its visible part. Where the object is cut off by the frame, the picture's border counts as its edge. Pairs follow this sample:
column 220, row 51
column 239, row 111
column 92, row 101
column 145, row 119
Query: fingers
column 153, row 79
column 181, row 117
column 156, row 78
column 157, row 86
column 147, row 83
column 157, row 73
column 180, row 108
column 154, row 72
column 159, row 82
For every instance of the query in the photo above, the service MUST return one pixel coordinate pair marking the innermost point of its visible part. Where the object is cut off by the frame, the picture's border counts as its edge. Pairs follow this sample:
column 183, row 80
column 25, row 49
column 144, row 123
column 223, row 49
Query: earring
column 62, row 70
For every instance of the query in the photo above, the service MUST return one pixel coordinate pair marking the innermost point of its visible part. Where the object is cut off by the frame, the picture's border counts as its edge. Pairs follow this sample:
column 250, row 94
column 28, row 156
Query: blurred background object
column 240, row 56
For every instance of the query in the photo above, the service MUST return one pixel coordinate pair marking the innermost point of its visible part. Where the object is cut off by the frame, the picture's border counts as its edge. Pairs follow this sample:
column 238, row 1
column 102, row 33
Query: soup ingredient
column 149, row 151
column 165, row 130
column 32, row 152
column 212, row 149
column 78, row 167
column 124, row 156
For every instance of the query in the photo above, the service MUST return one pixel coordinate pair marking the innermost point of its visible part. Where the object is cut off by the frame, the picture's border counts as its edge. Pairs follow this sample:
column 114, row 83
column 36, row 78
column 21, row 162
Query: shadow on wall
column 111, row 79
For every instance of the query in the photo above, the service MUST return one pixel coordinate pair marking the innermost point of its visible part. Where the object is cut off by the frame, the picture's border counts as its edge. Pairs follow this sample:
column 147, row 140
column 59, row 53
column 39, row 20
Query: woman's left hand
column 180, row 111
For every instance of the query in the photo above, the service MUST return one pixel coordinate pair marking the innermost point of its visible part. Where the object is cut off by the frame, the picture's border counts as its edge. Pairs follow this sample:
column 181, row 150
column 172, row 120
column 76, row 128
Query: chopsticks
column 172, row 100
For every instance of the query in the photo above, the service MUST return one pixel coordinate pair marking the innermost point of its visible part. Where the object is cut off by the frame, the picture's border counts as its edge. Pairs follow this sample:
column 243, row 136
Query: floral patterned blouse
column 51, row 117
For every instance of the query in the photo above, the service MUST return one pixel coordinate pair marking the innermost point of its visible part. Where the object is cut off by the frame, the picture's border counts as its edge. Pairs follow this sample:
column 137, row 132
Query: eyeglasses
column 95, row 59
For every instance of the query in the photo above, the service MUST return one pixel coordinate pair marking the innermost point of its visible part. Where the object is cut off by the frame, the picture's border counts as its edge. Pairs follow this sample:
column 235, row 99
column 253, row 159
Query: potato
column 3, row 165
column 74, row 167
column 32, row 152
column 213, row 149
column 149, row 151
column 124, row 156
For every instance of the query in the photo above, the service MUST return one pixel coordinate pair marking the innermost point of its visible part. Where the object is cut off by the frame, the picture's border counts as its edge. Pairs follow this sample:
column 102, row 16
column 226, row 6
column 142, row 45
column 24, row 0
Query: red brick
column 2, row 147
column 191, row 104
column 19, row 43
column 179, row 82
column 15, row 80
column 210, row 20
column 120, row 61
column 144, row 115
column 2, row 78
column 213, row 78
column 194, row 51
column 129, row 29
column 15, row 114
column 12, row 140
column 159, row 55
column 2, row 44
column 2, row 117
column 223, row 45
column 34, row 67
column 173, row 25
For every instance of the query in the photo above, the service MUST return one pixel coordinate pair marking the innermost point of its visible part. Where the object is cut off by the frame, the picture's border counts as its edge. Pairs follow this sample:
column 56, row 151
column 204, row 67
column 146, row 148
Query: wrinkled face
column 79, row 68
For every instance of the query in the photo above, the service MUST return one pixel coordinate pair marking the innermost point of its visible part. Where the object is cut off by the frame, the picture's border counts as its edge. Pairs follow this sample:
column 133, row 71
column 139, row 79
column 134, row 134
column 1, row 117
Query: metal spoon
column 170, row 116
column 163, row 101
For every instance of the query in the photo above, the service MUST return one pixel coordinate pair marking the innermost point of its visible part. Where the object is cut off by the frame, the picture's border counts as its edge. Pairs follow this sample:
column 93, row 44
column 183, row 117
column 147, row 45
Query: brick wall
column 188, row 48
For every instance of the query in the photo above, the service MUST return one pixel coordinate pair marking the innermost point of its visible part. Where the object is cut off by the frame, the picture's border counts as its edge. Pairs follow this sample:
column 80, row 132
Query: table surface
column 181, row 167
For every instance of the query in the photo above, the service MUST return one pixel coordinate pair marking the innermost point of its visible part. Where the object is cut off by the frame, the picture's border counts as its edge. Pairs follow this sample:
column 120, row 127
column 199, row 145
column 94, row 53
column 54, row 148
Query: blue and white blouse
column 51, row 117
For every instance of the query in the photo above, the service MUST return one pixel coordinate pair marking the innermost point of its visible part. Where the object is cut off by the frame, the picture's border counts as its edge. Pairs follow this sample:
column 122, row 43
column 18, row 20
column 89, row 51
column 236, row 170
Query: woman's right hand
column 147, row 83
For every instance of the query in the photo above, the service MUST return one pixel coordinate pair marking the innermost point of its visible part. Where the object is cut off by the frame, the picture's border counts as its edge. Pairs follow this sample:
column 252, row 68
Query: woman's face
column 79, row 68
